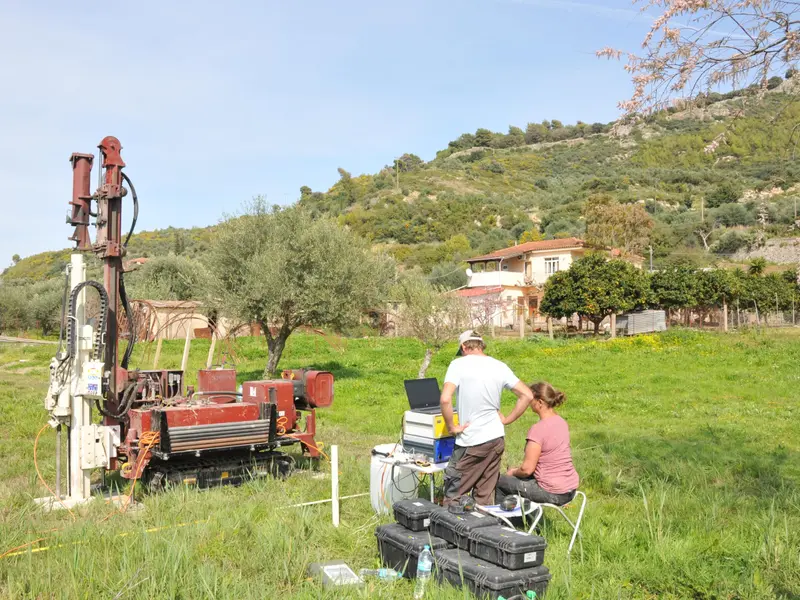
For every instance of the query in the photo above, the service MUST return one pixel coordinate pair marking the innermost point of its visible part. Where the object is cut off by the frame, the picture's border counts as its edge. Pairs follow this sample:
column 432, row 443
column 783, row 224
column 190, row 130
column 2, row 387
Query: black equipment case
column 414, row 514
column 455, row 528
column 400, row 547
column 507, row 547
column 486, row 580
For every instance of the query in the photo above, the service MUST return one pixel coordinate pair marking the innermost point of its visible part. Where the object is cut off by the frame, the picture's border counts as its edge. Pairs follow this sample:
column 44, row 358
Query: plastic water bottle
column 424, row 568
column 383, row 574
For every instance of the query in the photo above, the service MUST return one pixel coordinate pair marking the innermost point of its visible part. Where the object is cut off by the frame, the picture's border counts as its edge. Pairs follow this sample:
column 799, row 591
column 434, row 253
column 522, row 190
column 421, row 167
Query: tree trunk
column 613, row 320
column 426, row 362
column 596, row 326
column 275, row 345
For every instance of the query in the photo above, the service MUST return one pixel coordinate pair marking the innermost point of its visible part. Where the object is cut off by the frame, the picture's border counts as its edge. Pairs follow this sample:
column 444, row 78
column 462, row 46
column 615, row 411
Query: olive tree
column 430, row 314
column 595, row 288
column 284, row 269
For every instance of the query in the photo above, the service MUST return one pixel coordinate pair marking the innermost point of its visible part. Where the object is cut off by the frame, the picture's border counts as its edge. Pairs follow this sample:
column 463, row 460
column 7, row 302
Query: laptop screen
column 422, row 393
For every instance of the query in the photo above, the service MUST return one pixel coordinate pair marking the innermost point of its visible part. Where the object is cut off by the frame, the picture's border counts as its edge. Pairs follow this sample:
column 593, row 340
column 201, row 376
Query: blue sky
column 215, row 103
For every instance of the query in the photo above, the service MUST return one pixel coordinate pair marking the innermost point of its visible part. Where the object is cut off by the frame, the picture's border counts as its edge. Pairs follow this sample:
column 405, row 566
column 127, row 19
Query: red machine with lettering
column 169, row 432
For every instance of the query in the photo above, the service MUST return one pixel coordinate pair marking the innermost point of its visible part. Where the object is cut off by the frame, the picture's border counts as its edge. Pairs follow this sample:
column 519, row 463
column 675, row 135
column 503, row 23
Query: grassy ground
column 688, row 446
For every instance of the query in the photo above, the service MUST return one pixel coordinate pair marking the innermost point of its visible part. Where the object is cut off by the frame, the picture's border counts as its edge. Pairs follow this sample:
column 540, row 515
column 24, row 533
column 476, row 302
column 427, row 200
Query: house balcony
column 495, row 278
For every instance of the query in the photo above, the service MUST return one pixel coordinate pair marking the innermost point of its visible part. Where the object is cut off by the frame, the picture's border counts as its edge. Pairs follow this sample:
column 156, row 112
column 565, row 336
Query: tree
column 535, row 133
column 431, row 315
column 695, row 45
column 713, row 289
column 531, row 235
column 609, row 223
column 515, row 137
column 15, row 259
column 483, row 137
column 347, row 189
column 595, row 288
column 169, row 277
column 408, row 162
column 674, row 287
column 285, row 270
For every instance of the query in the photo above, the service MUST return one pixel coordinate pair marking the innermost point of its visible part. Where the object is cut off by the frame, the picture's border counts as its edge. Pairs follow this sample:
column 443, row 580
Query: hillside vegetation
column 723, row 167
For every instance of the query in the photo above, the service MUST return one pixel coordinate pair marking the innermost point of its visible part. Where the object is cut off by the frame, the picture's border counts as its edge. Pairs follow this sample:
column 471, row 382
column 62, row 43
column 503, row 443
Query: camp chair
column 526, row 508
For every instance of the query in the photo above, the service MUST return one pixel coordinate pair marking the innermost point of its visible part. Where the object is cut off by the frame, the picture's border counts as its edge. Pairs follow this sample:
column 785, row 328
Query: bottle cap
column 427, row 547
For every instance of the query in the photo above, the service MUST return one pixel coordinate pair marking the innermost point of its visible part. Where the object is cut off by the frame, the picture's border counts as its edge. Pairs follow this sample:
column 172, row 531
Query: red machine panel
column 319, row 388
column 259, row 391
column 216, row 380
column 210, row 414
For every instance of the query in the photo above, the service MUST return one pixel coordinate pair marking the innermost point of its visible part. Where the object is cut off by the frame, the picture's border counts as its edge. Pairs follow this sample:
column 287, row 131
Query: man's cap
column 469, row 334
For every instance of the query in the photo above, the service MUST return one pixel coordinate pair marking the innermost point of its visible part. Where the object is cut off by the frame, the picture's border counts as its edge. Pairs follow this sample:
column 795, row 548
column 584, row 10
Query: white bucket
column 387, row 483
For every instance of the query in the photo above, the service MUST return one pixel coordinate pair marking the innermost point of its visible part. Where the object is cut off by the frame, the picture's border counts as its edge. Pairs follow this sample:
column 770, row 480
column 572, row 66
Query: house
column 507, row 285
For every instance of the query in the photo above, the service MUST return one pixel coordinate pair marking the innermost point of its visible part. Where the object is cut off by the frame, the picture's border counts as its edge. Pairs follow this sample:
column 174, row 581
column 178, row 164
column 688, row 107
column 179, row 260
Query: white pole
column 335, row 484
column 79, row 480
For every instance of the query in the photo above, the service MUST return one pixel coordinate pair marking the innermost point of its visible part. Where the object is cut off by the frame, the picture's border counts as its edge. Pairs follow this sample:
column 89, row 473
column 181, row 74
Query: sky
column 215, row 103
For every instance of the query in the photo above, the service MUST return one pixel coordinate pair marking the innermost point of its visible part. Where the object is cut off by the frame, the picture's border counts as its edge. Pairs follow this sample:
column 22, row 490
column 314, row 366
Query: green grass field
column 688, row 446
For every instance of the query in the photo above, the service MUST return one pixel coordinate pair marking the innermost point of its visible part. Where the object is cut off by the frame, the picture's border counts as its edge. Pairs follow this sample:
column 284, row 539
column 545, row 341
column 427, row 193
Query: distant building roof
column 519, row 249
column 479, row 291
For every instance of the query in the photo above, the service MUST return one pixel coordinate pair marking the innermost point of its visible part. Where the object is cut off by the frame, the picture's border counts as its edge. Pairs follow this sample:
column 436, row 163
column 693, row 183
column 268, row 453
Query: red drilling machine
column 154, row 426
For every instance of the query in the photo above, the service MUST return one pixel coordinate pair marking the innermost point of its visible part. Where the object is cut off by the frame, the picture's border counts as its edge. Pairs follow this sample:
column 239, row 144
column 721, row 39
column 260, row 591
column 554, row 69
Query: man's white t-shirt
column 479, row 381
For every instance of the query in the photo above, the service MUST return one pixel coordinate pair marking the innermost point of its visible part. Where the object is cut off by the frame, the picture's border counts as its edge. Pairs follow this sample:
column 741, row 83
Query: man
column 479, row 381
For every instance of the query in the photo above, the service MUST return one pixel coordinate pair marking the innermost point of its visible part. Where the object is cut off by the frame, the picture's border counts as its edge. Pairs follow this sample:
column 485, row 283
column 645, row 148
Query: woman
column 547, row 473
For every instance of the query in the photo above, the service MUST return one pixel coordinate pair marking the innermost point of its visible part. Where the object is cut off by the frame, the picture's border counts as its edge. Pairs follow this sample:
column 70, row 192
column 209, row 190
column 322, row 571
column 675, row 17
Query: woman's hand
column 511, row 472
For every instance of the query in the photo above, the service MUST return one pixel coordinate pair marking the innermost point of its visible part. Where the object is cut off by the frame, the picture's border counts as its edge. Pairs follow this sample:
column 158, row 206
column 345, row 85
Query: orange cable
column 20, row 547
column 39, row 473
column 151, row 438
column 317, row 448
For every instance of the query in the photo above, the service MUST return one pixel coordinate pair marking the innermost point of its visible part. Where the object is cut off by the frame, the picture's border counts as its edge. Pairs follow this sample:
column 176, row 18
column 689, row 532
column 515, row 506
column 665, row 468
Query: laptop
column 423, row 395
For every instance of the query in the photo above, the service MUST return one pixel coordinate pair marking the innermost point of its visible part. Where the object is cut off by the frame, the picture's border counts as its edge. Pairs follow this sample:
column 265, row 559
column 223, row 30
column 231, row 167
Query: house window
column 527, row 269
column 504, row 267
column 551, row 266
column 491, row 266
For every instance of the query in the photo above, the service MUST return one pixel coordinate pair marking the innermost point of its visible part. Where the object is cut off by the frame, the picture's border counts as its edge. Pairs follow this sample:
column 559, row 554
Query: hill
column 724, row 165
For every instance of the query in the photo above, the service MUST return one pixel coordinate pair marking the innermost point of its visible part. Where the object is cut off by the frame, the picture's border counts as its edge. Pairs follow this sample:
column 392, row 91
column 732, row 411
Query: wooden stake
column 210, row 358
column 550, row 327
column 613, row 325
column 158, row 352
column 725, row 315
column 185, row 359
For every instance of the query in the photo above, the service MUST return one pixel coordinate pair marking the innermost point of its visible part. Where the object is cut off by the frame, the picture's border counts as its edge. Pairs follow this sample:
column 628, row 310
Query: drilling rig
column 154, row 427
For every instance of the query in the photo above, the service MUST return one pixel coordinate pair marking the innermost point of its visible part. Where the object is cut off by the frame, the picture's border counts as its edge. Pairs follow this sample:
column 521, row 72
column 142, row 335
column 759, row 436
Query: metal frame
column 537, row 508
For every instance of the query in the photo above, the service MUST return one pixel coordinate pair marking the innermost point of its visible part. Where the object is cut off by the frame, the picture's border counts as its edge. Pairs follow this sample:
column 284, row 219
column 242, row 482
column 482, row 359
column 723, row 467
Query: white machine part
column 90, row 381
column 426, row 425
column 74, row 384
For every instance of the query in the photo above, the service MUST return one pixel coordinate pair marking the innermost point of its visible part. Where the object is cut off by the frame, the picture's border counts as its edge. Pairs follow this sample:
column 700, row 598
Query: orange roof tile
column 560, row 244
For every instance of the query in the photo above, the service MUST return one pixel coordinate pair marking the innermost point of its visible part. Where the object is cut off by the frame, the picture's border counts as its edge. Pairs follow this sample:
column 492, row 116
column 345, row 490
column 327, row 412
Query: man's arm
column 524, row 397
column 446, row 404
column 532, row 453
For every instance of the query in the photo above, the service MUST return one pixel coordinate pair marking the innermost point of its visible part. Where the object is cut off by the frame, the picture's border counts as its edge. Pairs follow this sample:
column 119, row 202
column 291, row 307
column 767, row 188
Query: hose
column 135, row 207
column 100, row 333
column 123, row 296
column 127, row 402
